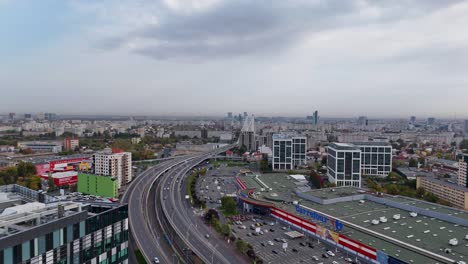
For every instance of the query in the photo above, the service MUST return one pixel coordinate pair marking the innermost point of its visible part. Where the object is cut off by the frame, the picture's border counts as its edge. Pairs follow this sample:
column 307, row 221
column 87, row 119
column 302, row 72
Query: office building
column 71, row 143
column 362, row 121
column 28, row 116
column 413, row 119
column 41, row 146
column 344, row 164
column 376, row 158
column 115, row 163
column 50, row 116
column 66, row 232
column 463, row 170
column 229, row 115
column 466, row 125
column 104, row 186
column 289, row 152
column 430, row 121
column 454, row 194
column 247, row 134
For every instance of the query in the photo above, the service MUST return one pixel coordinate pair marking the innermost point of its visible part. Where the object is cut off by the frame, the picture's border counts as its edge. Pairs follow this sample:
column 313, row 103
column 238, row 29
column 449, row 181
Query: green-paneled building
column 104, row 186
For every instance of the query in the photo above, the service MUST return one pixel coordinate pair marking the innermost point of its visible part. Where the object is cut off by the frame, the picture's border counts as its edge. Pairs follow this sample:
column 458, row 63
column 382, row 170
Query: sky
column 209, row 57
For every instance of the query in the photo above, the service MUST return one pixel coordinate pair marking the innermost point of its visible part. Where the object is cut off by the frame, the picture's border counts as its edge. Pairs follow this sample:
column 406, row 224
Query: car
column 272, row 230
column 263, row 244
column 254, row 234
column 271, row 243
column 315, row 258
column 284, row 240
column 348, row 260
column 284, row 228
column 156, row 260
column 330, row 253
column 249, row 235
column 277, row 239
column 335, row 262
column 295, row 250
column 272, row 224
column 310, row 245
column 234, row 231
column 274, row 251
column 302, row 244
column 207, row 236
column 261, row 232
column 324, row 255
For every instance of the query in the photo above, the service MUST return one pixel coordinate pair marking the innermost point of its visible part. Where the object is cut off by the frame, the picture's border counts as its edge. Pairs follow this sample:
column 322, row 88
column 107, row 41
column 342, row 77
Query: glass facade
column 288, row 152
column 376, row 161
column 102, row 238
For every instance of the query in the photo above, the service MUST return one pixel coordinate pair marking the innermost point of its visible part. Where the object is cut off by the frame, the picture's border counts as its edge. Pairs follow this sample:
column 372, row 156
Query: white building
column 344, row 164
column 116, row 164
column 289, row 151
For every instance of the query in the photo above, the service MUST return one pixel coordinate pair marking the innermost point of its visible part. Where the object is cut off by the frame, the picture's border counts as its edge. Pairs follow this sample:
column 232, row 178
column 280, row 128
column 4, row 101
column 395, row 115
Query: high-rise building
column 376, row 158
column 65, row 232
column 71, row 143
column 289, row 152
column 11, row 116
column 28, row 116
column 430, row 121
column 463, row 170
column 413, row 119
column 362, row 121
column 344, row 164
column 50, row 116
column 114, row 163
column 247, row 134
column 315, row 118
column 466, row 125
column 229, row 115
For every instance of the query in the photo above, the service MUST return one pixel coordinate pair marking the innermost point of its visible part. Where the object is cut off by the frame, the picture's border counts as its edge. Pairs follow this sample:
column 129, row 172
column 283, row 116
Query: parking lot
column 217, row 182
column 299, row 250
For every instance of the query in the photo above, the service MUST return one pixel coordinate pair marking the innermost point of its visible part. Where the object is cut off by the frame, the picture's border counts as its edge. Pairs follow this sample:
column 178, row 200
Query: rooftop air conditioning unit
column 413, row 214
column 383, row 219
column 453, row 241
column 396, row 217
column 362, row 201
column 375, row 222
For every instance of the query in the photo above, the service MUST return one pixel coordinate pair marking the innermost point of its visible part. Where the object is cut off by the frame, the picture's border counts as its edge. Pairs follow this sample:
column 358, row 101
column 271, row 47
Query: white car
column 330, row 253
column 271, row 243
column 335, row 262
column 156, row 260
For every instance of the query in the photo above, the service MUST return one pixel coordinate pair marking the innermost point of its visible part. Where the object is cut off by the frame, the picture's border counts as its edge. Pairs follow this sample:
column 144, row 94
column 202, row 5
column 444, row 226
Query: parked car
column 324, row 255
column 272, row 230
column 315, row 258
column 263, row 244
column 277, row 239
column 207, row 236
column 271, row 243
column 330, row 253
column 310, row 245
column 295, row 250
column 302, row 244
column 274, row 251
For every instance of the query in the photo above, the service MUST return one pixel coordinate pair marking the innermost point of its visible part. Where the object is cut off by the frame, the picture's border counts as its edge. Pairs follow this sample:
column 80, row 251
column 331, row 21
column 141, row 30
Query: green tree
column 26, row 169
column 241, row 245
column 264, row 167
column 413, row 163
column 228, row 204
column 9, row 175
column 225, row 230
column 392, row 189
column 430, row 197
column 50, row 183
column 420, row 192
column 464, row 144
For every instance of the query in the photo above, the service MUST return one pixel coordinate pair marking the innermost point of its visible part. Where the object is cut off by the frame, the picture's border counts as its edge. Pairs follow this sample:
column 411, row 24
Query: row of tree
column 23, row 174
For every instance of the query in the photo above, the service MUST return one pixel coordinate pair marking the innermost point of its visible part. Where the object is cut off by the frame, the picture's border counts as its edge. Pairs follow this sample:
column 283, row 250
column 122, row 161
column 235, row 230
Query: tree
column 413, row 163
column 241, row 245
column 228, row 204
column 264, row 166
column 420, row 192
column 26, row 169
column 212, row 213
column 27, row 151
column 324, row 161
column 464, row 144
column 9, row 175
column 225, row 230
column 430, row 197
column 315, row 179
column 203, row 171
column 392, row 189
column 50, row 182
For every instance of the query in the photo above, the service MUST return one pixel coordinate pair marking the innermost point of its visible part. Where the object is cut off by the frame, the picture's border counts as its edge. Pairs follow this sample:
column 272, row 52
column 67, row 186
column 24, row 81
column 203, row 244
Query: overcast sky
column 207, row 57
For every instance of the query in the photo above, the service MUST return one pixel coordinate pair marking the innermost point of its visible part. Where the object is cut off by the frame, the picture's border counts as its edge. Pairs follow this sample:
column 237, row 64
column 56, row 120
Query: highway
column 154, row 223
column 190, row 227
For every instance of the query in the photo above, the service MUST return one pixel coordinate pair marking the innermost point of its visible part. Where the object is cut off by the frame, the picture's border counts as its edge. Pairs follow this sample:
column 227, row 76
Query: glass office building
column 344, row 164
column 67, row 233
column 376, row 158
column 289, row 152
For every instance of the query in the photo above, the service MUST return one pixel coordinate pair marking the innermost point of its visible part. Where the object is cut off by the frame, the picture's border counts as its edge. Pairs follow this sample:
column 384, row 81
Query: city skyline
column 186, row 58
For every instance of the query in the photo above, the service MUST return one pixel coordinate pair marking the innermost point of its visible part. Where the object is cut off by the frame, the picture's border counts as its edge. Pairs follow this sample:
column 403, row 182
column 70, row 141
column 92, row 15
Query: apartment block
column 454, row 194
column 114, row 163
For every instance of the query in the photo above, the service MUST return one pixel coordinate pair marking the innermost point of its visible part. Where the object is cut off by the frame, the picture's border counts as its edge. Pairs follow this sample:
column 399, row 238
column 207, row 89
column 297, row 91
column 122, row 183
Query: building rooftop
column 448, row 184
column 343, row 146
column 357, row 212
column 373, row 143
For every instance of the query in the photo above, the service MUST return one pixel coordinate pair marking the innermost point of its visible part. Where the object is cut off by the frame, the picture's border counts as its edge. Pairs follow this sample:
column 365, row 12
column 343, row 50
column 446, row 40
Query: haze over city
column 206, row 57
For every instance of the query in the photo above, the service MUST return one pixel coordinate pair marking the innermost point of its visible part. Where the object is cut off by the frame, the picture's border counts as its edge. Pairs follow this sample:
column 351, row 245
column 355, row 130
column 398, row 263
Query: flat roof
column 447, row 184
column 343, row 146
column 421, row 231
column 373, row 143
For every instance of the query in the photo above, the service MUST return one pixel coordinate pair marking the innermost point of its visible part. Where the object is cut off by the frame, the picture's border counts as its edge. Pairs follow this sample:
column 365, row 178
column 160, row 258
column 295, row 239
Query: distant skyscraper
column 229, row 115
column 316, row 117
column 50, row 116
column 466, row 125
column 245, row 114
column 28, row 116
column 247, row 135
column 413, row 119
column 11, row 116
column 362, row 121
column 430, row 121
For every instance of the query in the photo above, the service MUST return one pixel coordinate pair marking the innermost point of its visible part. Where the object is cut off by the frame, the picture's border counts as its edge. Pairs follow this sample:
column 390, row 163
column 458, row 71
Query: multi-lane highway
column 188, row 226
column 158, row 216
